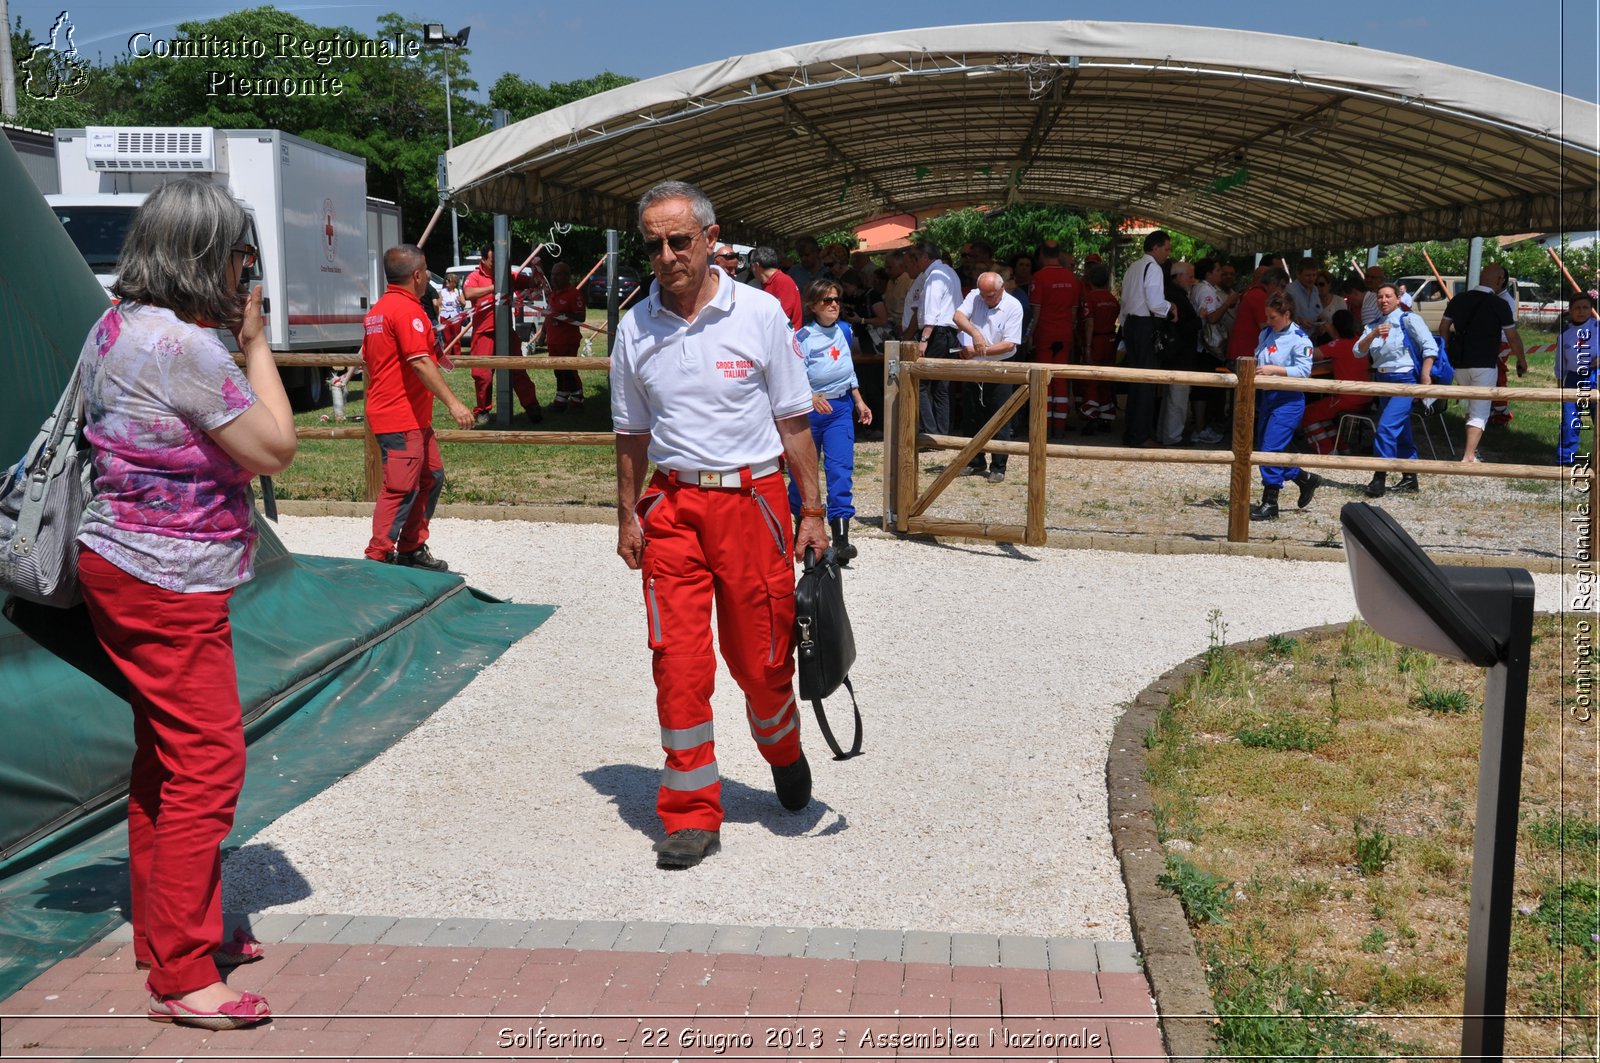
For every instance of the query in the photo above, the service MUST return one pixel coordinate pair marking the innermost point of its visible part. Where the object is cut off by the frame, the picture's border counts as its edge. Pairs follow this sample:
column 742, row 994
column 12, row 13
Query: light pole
column 434, row 36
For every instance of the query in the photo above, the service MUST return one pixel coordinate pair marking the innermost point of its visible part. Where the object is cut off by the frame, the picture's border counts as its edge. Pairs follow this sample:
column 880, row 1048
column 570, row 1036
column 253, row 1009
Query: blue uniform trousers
column 1572, row 416
column 835, row 436
column 1278, row 414
column 1393, row 438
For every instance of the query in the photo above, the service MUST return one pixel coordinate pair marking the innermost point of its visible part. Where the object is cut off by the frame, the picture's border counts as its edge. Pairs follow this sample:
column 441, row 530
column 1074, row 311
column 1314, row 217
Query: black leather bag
column 825, row 646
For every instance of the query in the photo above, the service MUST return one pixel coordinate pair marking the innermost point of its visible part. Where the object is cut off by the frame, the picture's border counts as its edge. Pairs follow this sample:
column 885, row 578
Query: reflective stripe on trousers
column 732, row 549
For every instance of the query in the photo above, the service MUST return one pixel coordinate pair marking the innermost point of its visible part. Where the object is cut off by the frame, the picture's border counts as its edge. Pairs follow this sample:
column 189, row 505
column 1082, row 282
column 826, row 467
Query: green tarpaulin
column 337, row 658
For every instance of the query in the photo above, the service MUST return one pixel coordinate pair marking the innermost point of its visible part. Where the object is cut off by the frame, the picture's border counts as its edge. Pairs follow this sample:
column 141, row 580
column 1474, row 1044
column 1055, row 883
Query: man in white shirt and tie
column 1144, row 310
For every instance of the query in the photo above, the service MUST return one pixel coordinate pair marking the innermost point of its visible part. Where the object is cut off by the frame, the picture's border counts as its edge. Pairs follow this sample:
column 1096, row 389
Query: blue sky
column 1517, row 39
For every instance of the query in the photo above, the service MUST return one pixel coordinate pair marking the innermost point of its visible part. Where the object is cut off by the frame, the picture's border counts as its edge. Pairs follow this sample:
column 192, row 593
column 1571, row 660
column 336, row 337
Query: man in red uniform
column 708, row 383
column 479, row 291
column 776, row 283
column 1252, row 315
column 403, row 379
column 1099, row 340
column 1057, row 300
column 562, row 335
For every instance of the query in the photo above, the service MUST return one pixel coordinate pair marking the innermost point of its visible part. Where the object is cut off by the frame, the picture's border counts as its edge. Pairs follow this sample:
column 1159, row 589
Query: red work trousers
column 734, row 548
column 483, row 379
column 1055, row 347
column 1099, row 396
column 413, row 477
column 176, row 651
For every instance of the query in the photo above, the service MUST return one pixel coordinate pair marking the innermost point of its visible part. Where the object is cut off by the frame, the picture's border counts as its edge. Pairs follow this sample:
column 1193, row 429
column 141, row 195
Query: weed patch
column 1206, row 897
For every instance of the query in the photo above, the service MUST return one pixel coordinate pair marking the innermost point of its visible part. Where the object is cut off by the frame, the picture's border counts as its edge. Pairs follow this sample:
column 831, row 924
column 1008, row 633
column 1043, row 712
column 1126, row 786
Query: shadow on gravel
column 632, row 788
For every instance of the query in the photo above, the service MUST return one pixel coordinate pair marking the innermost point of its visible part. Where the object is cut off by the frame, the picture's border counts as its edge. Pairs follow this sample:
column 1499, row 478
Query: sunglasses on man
column 679, row 242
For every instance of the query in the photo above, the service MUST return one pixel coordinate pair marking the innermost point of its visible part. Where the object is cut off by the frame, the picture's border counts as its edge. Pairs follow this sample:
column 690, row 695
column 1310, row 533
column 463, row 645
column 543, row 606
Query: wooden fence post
column 1038, row 430
column 1244, row 440
column 908, row 399
column 891, row 432
column 374, row 466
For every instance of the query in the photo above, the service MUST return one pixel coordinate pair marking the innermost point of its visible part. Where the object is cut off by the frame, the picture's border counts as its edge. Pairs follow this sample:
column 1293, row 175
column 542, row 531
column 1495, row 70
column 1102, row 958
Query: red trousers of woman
column 176, row 651
column 731, row 547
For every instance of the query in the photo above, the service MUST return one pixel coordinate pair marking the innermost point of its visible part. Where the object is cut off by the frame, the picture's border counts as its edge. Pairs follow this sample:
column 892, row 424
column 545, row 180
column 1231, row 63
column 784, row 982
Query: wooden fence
column 905, row 507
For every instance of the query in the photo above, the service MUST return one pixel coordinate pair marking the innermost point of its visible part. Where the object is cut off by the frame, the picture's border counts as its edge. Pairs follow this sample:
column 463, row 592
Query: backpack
column 1443, row 371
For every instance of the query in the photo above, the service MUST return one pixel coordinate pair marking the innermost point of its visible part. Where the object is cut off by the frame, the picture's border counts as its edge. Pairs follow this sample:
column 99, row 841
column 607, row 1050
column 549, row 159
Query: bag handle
column 827, row 732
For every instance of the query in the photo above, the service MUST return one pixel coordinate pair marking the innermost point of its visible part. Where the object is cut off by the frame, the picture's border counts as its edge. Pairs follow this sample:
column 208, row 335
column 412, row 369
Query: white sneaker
column 1208, row 435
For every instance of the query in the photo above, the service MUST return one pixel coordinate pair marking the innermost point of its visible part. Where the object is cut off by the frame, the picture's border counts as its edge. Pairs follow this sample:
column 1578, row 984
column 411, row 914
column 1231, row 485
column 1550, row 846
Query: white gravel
column 990, row 679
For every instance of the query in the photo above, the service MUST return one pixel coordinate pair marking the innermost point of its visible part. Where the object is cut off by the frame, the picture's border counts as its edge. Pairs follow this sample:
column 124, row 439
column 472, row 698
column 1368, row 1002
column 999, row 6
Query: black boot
column 840, row 526
column 1308, row 482
column 1267, row 508
column 1378, row 486
column 1408, row 482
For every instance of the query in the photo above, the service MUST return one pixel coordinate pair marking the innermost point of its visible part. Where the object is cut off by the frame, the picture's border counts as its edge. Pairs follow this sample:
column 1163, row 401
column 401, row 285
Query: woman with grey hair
column 177, row 431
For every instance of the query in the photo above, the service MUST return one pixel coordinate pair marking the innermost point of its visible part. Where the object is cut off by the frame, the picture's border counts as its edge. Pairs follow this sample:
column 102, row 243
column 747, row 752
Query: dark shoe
column 1264, row 510
column 421, row 557
column 793, row 783
column 1378, row 486
column 534, row 415
column 842, row 547
column 686, row 848
column 1408, row 483
column 1308, row 482
column 481, row 421
column 997, row 476
column 974, row 470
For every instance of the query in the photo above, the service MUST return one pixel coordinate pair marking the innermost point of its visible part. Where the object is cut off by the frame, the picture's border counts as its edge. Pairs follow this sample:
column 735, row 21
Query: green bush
column 1206, row 897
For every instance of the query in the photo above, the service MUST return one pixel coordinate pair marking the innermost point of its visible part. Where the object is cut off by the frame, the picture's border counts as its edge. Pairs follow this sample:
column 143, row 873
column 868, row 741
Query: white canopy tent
column 1251, row 141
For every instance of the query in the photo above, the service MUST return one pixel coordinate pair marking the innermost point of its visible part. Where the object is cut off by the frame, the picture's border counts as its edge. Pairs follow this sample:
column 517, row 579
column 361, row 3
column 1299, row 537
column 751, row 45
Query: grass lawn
column 1316, row 801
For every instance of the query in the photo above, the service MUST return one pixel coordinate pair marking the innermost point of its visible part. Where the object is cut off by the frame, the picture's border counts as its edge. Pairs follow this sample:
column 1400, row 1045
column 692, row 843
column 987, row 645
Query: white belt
column 732, row 479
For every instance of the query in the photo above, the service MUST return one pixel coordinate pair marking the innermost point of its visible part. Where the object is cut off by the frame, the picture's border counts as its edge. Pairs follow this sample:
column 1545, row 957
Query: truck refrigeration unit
column 320, row 238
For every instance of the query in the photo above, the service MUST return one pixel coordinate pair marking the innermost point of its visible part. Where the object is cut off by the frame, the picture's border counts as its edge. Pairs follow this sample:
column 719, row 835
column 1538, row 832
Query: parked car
column 627, row 283
column 1429, row 300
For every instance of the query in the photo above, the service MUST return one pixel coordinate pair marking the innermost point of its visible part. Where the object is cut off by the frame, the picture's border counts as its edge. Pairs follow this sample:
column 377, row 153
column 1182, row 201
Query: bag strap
column 827, row 732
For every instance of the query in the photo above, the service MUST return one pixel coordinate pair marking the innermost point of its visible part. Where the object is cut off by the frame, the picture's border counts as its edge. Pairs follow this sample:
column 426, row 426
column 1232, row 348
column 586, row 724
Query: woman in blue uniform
column 1284, row 350
column 1401, row 350
column 835, row 406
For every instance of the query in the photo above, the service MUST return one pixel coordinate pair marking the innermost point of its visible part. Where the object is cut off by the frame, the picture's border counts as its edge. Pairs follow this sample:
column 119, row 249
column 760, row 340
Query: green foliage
column 1284, row 1010
column 1375, row 941
column 1284, row 732
column 1574, row 834
column 1280, row 646
column 1373, row 850
column 1433, row 699
column 521, row 99
column 1023, row 227
column 1206, row 897
column 1526, row 261
column 1569, row 914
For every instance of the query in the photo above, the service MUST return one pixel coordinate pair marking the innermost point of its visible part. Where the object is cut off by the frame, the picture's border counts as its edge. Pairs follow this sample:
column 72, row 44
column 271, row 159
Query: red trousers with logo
column 483, row 379
column 733, row 548
column 1055, row 347
column 176, row 651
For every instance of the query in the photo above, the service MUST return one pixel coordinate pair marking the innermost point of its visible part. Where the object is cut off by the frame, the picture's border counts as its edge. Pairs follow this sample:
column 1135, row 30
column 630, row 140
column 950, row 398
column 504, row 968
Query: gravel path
column 990, row 680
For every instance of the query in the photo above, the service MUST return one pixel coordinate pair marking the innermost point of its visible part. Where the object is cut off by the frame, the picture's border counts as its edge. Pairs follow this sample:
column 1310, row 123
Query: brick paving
column 371, row 988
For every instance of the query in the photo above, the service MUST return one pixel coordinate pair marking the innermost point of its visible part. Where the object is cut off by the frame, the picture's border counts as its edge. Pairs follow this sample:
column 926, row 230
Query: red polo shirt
column 782, row 286
column 398, row 333
column 1248, row 322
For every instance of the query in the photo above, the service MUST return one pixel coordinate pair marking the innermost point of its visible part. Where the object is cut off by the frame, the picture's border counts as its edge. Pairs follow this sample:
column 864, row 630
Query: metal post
column 1474, row 263
column 502, row 305
column 611, row 288
column 1494, row 842
column 450, row 142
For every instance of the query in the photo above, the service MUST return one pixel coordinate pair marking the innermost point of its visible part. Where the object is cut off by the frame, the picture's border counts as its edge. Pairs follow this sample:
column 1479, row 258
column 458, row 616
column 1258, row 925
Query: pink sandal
column 241, row 950
column 248, row 1010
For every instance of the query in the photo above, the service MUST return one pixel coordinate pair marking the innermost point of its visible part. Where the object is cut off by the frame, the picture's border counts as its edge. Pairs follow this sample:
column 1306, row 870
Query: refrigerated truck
column 320, row 237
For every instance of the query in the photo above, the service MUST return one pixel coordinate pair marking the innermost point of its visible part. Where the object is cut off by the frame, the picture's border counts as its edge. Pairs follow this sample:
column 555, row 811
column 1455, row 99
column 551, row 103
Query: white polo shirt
column 941, row 295
column 707, row 392
column 1002, row 323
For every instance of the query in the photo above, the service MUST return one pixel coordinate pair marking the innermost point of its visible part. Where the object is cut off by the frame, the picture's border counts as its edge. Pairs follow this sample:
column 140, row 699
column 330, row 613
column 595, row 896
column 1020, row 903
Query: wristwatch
column 813, row 511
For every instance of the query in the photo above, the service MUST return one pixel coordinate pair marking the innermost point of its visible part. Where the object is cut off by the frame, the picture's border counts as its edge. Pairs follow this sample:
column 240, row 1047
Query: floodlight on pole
column 1483, row 616
column 434, row 36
